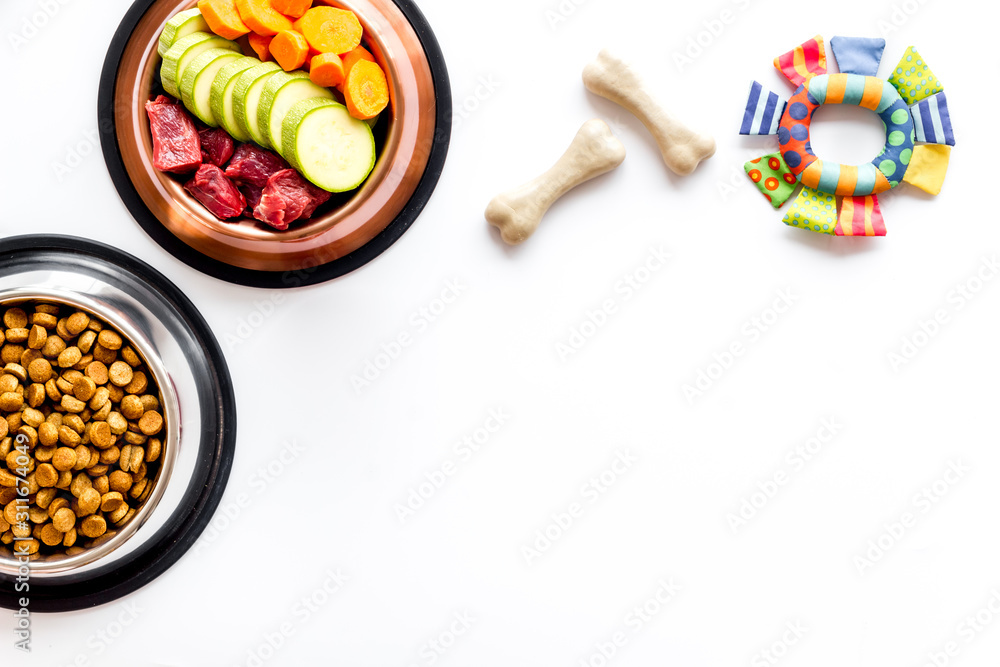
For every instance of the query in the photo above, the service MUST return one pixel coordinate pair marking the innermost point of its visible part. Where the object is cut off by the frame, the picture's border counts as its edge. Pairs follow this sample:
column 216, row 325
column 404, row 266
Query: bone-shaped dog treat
column 612, row 78
column 518, row 212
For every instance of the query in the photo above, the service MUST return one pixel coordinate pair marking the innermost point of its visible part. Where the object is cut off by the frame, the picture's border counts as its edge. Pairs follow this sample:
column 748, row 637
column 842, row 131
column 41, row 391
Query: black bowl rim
column 216, row 449
column 275, row 279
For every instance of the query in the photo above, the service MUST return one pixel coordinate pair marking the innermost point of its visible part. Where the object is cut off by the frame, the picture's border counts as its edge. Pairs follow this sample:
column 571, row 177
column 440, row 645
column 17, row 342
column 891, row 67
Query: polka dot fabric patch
column 813, row 210
column 913, row 78
column 773, row 178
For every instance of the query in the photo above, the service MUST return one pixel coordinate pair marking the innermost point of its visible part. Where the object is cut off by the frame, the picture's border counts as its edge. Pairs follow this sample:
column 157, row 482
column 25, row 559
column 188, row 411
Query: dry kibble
column 151, row 422
column 111, row 501
column 77, row 322
column 64, row 519
column 120, row 373
column 97, row 372
column 94, row 526
column 85, row 404
column 70, row 357
column 17, row 370
column 109, row 339
column 84, row 388
column 15, row 318
column 131, row 407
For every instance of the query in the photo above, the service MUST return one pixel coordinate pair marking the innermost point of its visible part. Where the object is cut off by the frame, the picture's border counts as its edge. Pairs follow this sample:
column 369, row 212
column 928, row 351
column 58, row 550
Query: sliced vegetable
column 326, row 69
column 260, row 45
column 281, row 92
column 246, row 99
column 289, row 49
column 262, row 18
column 221, row 96
column 292, row 8
column 180, row 25
column 196, row 83
column 223, row 19
column 330, row 30
column 327, row 146
column 355, row 55
column 184, row 50
column 366, row 92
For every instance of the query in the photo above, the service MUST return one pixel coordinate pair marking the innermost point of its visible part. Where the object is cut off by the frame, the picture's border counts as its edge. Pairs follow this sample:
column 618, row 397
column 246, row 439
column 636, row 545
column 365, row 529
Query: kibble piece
column 86, row 341
column 44, row 319
column 133, row 438
column 32, row 417
column 99, row 470
column 44, row 497
column 68, row 436
column 51, row 535
column 109, row 339
column 93, row 526
column 131, row 407
column 75, row 422
column 64, row 519
column 115, row 393
column 150, row 402
column 111, row 501
column 28, row 433
column 17, row 370
column 17, row 335
column 120, row 373
column 11, row 354
column 100, row 398
column 125, row 460
column 72, row 404
column 97, row 372
column 37, row 337
column 89, row 502
column 63, row 459
column 120, row 481
column 37, row 515
column 11, row 401
column 84, row 388
column 54, row 345
column 138, row 384
column 8, row 383
column 44, row 454
column 130, row 357
column 77, row 322
column 119, row 514
column 151, row 422
column 117, row 423
column 80, row 484
column 65, row 479
column 29, row 547
column 101, row 436
column 103, row 354
column 101, row 484
column 15, row 318
column 52, row 391
column 153, row 449
column 62, row 331
column 70, row 357
column 69, row 539
column 102, row 414
column 34, row 395
column 7, row 479
column 83, row 457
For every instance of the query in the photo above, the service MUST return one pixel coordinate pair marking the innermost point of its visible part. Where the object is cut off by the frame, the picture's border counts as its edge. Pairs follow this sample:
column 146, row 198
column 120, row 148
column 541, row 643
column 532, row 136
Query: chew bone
column 518, row 212
column 612, row 78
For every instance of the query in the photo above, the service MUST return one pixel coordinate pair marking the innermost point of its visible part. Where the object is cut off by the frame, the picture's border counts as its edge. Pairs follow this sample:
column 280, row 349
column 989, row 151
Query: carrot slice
column 260, row 44
column 289, row 49
column 223, row 18
column 292, row 8
column 366, row 92
column 262, row 18
column 352, row 57
column 330, row 30
column 327, row 70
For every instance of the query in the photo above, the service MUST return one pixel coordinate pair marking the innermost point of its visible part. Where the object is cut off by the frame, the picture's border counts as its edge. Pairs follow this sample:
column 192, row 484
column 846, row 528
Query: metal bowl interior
column 53, row 564
column 200, row 411
column 342, row 226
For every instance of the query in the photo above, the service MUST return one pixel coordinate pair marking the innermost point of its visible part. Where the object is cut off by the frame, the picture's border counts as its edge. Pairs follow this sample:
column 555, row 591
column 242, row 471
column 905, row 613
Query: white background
column 333, row 505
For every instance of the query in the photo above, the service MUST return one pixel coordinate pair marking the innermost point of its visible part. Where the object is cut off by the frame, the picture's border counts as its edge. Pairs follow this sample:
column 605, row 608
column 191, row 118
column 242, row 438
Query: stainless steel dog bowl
column 199, row 411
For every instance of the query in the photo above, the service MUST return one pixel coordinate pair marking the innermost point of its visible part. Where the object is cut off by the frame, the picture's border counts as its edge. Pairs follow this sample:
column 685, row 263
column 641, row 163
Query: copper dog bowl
column 352, row 228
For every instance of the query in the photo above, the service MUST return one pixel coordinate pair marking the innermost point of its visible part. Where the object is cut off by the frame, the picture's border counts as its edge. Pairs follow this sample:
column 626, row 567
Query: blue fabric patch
column 858, row 55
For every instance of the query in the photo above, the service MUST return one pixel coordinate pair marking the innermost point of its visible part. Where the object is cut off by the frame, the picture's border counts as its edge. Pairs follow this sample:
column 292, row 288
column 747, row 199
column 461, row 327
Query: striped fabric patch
column 860, row 216
column 763, row 111
column 932, row 122
column 803, row 62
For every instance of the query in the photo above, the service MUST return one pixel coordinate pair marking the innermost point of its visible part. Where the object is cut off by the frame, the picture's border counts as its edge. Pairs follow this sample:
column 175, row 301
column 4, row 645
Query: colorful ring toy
column 837, row 198
column 881, row 174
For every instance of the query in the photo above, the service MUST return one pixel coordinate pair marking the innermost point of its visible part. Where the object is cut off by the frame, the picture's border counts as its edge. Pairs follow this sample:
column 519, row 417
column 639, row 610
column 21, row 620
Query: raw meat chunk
column 211, row 187
column 176, row 147
column 216, row 146
column 253, row 166
column 252, row 194
column 288, row 197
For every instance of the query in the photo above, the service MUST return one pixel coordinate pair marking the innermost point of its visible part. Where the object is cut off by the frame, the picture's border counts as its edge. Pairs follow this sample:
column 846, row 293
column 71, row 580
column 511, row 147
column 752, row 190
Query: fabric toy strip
column 773, row 178
column 928, row 167
column 932, row 122
column 812, row 210
column 858, row 55
column 913, row 78
column 803, row 62
column 763, row 111
column 860, row 216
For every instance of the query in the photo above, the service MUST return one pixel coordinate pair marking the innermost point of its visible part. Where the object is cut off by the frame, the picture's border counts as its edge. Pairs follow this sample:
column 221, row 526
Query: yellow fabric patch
column 928, row 167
